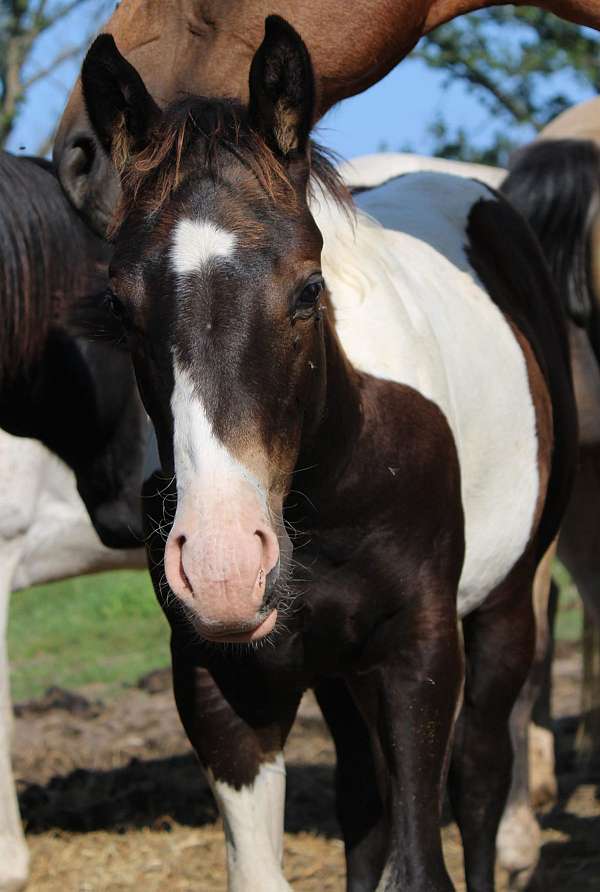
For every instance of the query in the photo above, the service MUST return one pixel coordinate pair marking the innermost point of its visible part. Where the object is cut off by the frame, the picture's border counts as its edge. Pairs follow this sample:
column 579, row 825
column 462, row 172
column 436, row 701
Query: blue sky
column 395, row 112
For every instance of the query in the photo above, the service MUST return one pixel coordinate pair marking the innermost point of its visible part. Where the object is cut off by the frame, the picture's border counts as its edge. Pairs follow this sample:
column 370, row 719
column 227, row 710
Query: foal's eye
column 307, row 300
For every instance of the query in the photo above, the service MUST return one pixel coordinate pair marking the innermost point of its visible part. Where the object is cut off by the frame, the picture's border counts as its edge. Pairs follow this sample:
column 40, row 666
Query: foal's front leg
column 409, row 699
column 359, row 804
column 237, row 720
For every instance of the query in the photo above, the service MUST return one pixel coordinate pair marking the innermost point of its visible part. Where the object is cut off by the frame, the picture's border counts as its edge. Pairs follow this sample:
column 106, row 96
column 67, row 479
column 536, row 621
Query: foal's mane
column 49, row 259
column 208, row 130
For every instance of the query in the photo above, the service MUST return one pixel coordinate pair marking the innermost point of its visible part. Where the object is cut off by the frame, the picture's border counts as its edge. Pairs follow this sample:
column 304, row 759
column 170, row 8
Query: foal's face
column 220, row 293
column 224, row 322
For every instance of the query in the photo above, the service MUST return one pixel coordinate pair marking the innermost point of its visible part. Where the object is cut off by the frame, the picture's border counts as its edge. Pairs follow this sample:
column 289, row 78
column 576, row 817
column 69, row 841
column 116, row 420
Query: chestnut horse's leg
column 237, row 719
column 518, row 840
column 359, row 806
column 408, row 694
column 499, row 645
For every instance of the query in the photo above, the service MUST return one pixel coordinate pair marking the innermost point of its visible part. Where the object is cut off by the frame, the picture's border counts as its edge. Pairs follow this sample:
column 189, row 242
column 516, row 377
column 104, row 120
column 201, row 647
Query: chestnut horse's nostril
column 82, row 155
column 88, row 179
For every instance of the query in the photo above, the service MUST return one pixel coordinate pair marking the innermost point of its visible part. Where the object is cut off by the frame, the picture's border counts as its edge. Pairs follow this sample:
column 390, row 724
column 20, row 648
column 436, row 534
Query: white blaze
column 204, row 467
column 197, row 242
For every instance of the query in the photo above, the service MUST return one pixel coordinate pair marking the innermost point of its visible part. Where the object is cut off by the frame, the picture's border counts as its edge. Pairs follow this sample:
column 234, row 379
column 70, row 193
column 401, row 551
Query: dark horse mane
column 555, row 184
column 206, row 130
column 48, row 259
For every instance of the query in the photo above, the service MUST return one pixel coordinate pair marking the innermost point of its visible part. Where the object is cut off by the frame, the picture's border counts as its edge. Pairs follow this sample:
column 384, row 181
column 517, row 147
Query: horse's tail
column 555, row 184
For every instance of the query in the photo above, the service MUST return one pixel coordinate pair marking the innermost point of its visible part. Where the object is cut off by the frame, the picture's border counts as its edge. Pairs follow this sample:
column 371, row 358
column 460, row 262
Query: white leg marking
column 253, row 819
column 197, row 242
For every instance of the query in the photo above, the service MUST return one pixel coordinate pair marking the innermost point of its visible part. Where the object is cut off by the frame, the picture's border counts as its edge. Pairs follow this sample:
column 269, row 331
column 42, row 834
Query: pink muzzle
column 220, row 569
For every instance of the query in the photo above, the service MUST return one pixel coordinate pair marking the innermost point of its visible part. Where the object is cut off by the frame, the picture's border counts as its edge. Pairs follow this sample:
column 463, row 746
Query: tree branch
column 70, row 52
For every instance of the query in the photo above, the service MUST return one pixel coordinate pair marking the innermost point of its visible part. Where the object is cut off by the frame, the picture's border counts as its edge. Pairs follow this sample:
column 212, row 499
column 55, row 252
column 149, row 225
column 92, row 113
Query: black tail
column 555, row 184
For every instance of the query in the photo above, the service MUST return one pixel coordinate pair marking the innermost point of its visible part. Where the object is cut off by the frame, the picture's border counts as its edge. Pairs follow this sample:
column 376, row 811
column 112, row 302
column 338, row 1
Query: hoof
column 542, row 778
column 14, row 864
column 518, row 845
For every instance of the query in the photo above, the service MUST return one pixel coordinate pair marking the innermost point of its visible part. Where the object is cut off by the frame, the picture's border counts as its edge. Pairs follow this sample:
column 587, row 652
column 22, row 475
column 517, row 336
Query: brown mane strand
column 204, row 129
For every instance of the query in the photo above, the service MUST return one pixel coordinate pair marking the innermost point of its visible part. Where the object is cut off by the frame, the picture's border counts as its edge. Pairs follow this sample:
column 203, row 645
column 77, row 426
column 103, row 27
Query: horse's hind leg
column 359, row 807
column 499, row 644
column 14, row 857
column 237, row 721
column 518, row 841
column 579, row 550
column 543, row 786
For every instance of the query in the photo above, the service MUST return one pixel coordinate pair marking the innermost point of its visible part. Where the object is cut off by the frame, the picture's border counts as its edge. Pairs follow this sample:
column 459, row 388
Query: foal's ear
column 119, row 107
column 282, row 89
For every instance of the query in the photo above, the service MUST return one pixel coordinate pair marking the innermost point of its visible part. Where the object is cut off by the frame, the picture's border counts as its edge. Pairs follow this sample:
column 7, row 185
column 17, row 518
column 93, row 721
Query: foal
column 390, row 393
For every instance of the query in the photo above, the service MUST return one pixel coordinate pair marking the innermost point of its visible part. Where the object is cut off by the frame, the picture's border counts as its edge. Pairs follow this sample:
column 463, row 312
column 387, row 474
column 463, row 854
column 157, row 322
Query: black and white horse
column 80, row 400
column 555, row 184
column 386, row 385
column 77, row 397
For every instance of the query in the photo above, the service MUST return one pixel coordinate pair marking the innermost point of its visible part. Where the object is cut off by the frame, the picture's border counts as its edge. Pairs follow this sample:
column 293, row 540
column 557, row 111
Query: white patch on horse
column 253, row 819
column 197, row 242
column 368, row 171
column 203, row 464
column 410, row 308
column 45, row 534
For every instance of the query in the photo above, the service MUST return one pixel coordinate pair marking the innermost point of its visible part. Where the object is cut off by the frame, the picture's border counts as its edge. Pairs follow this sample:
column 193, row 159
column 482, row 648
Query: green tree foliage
column 22, row 23
column 524, row 66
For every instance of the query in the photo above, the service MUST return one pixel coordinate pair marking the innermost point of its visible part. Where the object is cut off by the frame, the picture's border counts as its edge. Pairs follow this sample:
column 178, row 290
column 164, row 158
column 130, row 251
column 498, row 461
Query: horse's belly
column 422, row 319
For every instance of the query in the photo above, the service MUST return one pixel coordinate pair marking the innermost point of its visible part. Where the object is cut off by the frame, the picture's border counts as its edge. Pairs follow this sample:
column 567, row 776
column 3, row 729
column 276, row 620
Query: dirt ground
column 113, row 799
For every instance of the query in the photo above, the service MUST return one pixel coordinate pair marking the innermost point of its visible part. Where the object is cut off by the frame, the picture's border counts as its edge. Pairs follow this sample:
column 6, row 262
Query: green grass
column 108, row 629
column 105, row 628
column 569, row 619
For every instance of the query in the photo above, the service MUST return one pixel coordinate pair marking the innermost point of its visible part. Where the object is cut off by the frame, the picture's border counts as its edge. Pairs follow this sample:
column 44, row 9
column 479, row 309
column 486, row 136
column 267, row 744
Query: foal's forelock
column 207, row 135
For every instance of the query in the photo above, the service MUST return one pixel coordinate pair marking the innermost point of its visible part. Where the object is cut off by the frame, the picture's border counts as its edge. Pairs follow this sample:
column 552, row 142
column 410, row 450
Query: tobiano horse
column 205, row 47
column 555, row 183
column 79, row 399
column 368, row 414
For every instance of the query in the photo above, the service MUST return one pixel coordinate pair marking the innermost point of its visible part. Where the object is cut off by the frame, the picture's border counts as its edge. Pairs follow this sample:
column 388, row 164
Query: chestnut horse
column 389, row 390
column 205, row 48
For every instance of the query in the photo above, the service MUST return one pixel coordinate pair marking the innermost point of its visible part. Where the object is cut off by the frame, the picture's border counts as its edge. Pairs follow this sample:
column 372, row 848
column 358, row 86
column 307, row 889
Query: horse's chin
column 235, row 635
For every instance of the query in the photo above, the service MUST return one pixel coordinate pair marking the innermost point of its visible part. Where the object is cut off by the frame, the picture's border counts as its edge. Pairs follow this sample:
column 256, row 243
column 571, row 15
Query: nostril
column 270, row 595
column 270, row 548
column 180, row 542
